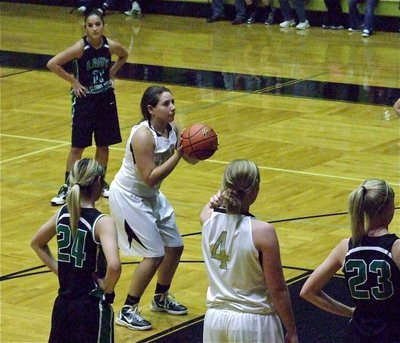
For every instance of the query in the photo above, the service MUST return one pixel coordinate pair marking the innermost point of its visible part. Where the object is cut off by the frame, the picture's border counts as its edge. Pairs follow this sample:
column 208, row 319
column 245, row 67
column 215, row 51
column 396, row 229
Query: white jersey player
column 247, row 292
column 144, row 217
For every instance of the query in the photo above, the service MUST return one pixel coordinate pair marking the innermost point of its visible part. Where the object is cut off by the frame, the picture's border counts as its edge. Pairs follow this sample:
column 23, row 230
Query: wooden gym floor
column 312, row 108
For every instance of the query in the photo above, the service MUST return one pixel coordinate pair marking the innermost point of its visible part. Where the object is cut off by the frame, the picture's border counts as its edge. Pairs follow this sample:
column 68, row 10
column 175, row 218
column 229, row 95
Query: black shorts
column 95, row 114
column 374, row 331
column 83, row 320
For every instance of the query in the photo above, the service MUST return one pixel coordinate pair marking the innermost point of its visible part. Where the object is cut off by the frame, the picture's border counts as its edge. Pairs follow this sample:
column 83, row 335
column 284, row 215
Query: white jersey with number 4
column 236, row 279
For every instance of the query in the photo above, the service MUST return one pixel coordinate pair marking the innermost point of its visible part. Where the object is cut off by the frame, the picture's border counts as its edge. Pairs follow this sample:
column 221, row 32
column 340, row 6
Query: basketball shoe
column 130, row 317
column 61, row 196
column 165, row 302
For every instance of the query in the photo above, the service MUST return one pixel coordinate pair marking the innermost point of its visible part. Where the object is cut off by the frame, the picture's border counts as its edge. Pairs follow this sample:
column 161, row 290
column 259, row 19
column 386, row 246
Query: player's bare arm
column 266, row 241
column 56, row 65
column 312, row 289
column 143, row 149
column 106, row 233
column 396, row 252
column 121, row 52
column 40, row 240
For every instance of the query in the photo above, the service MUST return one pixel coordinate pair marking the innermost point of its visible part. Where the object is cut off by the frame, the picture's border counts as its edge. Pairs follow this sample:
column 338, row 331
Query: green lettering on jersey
column 378, row 269
column 77, row 251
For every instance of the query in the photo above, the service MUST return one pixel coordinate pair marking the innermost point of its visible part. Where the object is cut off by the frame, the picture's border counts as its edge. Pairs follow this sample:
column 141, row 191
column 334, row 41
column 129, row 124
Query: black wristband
column 109, row 297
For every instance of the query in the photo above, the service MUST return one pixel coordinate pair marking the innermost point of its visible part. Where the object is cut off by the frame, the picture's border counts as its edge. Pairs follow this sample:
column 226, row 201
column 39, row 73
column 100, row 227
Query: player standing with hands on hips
column 88, row 265
column 247, row 291
column 370, row 261
column 144, row 217
column 94, row 109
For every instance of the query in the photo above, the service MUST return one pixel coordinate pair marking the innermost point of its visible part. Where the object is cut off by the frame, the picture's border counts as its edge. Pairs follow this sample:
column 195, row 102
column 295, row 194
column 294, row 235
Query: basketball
column 199, row 141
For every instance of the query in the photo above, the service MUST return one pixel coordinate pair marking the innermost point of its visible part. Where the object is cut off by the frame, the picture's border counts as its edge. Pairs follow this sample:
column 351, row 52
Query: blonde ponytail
column 366, row 203
column 241, row 178
column 82, row 178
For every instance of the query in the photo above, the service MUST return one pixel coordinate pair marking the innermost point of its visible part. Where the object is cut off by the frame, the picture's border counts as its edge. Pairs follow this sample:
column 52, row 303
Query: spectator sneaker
column 105, row 192
column 366, row 33
column 337, row 27
column 81, row 9
column 252, row 18
column 135, row 10
column 270, row 19
column 302, row 26
column 357, row 28
column 61, row 196
column 130, row 317
column 165, row 302
column 287, row 23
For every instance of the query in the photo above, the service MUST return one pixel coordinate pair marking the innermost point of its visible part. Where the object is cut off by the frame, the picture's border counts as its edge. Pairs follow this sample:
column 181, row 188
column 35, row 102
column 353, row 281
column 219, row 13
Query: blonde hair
column 365, row 203
column 81, row 179
column 241, row 177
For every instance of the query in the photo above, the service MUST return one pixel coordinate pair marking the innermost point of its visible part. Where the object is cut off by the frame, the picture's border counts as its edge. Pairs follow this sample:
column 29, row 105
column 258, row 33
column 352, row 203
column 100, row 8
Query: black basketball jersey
column 373, row 277
column 79, row 257
column 93, row 68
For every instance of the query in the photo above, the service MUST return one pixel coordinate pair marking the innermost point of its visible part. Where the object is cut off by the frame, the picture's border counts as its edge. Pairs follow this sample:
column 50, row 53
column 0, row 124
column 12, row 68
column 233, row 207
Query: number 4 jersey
column 236, row 278
column 79, row 257
column 373, row 279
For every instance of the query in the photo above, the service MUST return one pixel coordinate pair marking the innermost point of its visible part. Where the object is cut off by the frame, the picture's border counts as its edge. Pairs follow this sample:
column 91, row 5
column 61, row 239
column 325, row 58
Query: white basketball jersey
column 236, row 279
column 128, row 176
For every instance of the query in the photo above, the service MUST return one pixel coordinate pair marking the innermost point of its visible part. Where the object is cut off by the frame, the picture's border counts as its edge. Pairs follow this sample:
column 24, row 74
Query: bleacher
column 389, row 8
column 387, row 12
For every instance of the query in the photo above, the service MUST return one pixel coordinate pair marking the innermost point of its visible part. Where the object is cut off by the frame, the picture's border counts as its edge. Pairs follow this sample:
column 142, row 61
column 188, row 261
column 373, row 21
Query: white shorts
column 222, row 325
column 145, row 225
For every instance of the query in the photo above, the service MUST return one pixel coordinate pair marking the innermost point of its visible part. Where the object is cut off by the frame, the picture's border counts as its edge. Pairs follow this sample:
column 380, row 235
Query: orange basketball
column 199, row 141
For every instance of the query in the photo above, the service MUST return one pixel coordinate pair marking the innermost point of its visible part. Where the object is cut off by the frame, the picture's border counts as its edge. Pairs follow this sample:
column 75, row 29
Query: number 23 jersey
column 373, row 277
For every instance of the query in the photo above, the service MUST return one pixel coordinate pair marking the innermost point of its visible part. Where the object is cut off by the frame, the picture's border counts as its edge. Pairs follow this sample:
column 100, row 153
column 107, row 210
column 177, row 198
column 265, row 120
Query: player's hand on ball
column 179, row 147
column 185, row 157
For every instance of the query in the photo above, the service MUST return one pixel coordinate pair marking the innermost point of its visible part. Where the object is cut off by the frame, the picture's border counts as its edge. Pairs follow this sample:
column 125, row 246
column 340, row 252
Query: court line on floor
column 32, row 153
column 299, row 172
column 163, row 336
column 34, row 271
column 283, row 170
column 15, row 73
column 60, row 144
